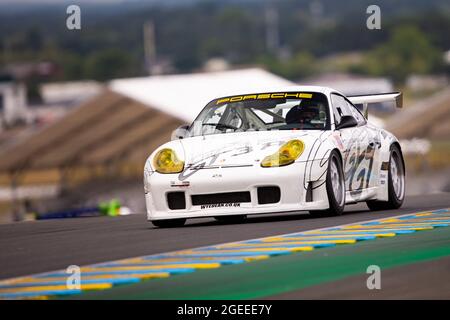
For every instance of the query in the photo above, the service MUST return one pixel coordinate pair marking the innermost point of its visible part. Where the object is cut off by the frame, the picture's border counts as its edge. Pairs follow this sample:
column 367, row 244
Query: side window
column 342, row 107
column 339, row 107
column 355, row 113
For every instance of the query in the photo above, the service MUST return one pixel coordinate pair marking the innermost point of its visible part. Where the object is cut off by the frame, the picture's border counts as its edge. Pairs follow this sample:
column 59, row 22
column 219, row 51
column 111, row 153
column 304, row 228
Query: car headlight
column 287, row 154
column 166, row 161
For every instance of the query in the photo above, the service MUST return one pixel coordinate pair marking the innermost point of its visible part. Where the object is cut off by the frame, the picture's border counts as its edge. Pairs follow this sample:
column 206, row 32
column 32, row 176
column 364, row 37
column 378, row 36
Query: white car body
column 230, row 162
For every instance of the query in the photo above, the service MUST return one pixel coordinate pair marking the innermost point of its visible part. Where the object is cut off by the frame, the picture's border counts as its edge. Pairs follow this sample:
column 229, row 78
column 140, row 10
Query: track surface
column 413, row 265
column 41, row 246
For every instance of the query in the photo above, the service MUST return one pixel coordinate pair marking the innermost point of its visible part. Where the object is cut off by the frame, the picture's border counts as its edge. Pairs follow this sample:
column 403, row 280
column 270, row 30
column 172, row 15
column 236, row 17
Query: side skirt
column 361, row 195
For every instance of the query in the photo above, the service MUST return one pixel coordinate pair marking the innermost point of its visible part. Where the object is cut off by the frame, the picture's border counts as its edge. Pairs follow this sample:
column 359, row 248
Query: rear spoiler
column 396, row 97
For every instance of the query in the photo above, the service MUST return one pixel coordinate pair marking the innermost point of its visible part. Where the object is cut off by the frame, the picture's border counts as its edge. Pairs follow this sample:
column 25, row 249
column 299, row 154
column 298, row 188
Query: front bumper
column 290, row 180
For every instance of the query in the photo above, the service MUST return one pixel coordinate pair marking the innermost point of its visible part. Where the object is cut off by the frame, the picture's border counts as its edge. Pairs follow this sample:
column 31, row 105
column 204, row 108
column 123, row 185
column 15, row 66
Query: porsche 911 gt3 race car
column 301, row 148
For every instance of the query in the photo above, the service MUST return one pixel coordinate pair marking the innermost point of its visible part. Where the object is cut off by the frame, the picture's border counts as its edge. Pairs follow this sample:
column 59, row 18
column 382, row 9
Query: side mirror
column 180, row 132
column 347, row 122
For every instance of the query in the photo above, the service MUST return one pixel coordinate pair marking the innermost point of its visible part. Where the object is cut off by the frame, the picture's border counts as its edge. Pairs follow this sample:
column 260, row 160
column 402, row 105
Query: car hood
column 237, row 149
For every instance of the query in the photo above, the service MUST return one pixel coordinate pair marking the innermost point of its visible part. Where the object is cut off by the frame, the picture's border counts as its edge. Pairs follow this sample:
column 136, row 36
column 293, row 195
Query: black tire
column 395, row 200
column 336, row 206
column 169, row 223
column 231, row 219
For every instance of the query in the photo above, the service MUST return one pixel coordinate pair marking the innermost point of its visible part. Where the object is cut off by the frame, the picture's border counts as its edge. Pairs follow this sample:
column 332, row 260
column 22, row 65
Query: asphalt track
column 41, row 246
column 413, row 265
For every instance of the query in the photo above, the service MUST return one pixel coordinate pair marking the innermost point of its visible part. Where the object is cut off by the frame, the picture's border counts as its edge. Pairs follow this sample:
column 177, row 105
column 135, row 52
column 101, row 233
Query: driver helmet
column 303, row 113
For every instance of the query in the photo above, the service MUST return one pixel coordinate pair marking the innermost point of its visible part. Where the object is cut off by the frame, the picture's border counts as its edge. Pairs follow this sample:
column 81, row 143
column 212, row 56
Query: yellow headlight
column 287, row 154
column 166, row 161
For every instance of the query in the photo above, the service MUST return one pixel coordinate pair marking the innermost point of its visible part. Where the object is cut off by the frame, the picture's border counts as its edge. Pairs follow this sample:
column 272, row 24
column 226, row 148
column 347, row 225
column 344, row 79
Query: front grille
column 214, row 198
column 268, row 195
column 176, row 200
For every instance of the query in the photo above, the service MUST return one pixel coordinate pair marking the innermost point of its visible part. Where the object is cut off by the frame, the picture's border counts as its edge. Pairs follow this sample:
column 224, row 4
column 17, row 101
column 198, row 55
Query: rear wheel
column 396, row 183
column 169, row 223
column 335, row 186
column 231, row 219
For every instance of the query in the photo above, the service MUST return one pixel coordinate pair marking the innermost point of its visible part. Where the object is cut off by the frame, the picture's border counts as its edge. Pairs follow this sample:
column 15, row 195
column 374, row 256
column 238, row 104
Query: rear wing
column 396, row 97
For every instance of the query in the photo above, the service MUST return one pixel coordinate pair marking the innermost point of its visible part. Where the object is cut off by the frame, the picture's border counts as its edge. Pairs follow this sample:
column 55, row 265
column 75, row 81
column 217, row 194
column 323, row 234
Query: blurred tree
column 188, row 35
column 33, row 39
column 212, row 47
column 299, row 66
column 407, row 51
column 69, row 64
column 108, row 64
column 72, row 66
column 237, row 30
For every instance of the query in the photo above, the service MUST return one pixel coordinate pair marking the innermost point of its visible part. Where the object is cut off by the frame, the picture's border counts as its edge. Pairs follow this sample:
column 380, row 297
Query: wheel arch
column 340, row 157
column 334, row 208
column 397, row 144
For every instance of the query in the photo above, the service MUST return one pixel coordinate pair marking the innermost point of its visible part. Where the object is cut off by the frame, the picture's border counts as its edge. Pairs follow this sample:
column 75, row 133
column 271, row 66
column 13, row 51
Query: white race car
column 301, row 148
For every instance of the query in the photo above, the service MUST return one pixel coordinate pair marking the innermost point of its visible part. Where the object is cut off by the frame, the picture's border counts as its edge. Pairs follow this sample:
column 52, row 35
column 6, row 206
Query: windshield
column 263, row 112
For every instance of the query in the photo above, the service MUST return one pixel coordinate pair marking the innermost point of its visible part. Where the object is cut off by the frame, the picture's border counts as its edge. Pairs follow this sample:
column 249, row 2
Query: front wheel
column 396, row 183
column 335, row 186
column 169, row 223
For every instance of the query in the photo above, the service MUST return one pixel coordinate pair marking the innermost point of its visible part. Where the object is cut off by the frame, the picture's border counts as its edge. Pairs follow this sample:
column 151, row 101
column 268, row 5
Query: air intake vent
column 214, row 198
column 176, row 200
column 268, row 195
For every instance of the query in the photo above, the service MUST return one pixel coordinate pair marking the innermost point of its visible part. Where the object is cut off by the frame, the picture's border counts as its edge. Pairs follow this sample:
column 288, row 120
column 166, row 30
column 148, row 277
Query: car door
column 368, row 153
column 352, row 140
